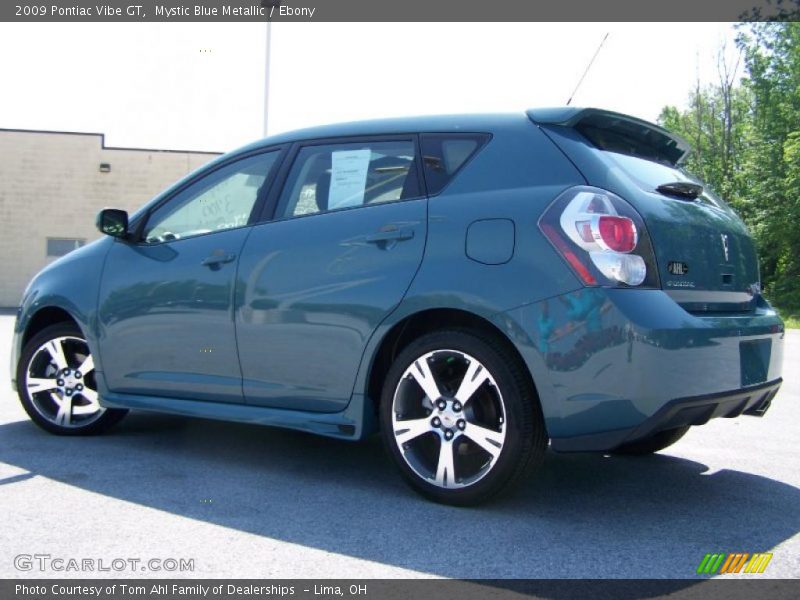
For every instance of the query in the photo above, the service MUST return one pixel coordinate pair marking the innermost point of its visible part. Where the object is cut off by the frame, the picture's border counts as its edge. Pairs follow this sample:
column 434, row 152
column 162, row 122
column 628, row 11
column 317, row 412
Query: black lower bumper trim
column 695, row 410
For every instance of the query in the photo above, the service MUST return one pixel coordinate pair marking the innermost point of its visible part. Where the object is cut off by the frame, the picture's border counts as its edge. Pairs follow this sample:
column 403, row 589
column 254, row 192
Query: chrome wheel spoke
column 91, row 396
column 474, row 378
column 64, row 415
column 56, row 352
column 84, row 409
column 36, row 384
column 87, row 409
column 87, row 366
column 488, row 439
column 405, row 431
column 421, row 372
column 446, row 468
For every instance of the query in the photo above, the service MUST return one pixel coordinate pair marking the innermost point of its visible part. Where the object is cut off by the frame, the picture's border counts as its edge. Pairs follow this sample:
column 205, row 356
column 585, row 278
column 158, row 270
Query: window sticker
column 348, row 178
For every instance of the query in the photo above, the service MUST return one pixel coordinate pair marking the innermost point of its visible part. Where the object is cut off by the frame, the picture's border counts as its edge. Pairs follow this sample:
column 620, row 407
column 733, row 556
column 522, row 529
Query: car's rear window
column 650, row 174
column 443, row 155
column 617, row 133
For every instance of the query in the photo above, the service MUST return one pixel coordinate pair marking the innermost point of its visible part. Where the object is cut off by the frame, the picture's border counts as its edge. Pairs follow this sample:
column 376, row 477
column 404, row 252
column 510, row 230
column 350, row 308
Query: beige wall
column 51, row 186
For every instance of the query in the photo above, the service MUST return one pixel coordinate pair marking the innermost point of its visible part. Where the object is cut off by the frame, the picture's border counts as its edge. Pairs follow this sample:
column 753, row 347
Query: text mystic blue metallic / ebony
column 472, row 286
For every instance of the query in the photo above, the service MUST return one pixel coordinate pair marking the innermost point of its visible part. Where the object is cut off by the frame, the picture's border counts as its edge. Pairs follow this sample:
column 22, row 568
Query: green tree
column 746, row 145
column 772, row 59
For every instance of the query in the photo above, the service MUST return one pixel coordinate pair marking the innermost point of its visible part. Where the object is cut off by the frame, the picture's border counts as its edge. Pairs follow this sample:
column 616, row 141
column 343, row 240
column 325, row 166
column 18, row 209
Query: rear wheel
column 460, row 418
column 57, row 386
column 654, row 443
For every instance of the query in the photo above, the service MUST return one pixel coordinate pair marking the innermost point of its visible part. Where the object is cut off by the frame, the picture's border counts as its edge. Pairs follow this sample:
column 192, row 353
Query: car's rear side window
column 443, row 155
column 335, row 176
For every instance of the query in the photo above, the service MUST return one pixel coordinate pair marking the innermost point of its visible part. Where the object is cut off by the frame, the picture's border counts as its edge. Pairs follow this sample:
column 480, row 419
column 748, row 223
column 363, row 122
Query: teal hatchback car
column 473, row 287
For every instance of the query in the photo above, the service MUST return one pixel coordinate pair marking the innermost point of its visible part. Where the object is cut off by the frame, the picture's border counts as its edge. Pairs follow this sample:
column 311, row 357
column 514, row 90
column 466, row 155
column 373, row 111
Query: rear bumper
column 697, row 410
column 611, row 364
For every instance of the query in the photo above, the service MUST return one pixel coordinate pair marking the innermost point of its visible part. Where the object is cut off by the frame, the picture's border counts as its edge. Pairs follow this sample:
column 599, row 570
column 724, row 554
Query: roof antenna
column 589, row 66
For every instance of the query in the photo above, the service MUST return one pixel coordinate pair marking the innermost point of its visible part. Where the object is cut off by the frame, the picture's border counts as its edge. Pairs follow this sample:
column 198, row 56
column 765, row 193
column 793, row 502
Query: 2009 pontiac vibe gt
column 470, row 286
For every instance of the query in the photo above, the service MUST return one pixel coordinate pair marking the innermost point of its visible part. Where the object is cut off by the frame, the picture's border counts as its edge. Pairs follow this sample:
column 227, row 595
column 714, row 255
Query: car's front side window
column 222, row 200
column 335, row 176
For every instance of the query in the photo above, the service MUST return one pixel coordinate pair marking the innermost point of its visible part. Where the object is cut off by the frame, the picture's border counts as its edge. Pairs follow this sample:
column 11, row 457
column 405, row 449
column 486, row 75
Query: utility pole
column 267, row 58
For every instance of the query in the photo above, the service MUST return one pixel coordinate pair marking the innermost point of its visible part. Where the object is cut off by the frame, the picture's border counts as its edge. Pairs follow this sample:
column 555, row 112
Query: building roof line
column 103, row 146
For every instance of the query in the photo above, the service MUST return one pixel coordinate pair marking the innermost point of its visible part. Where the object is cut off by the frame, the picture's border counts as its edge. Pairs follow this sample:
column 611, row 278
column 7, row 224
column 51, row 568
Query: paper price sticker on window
column 348, row 178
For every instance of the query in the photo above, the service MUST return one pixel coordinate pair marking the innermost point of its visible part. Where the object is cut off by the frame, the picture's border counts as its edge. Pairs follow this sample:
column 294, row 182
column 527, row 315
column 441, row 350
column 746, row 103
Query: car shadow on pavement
column 583, row 515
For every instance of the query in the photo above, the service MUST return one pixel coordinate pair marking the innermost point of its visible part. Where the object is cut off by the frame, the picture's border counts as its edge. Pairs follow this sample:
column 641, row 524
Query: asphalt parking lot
column 247, row 501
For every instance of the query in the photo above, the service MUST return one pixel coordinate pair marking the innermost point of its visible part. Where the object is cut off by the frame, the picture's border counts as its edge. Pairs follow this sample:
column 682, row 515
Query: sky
column 201, row 86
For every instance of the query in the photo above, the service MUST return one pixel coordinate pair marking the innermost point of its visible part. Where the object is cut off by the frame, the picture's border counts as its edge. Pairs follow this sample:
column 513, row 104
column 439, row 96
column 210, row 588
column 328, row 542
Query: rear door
column 346, row 240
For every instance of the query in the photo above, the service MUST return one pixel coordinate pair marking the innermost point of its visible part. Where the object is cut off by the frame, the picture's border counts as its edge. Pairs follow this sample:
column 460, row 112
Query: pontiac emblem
column 725, row 247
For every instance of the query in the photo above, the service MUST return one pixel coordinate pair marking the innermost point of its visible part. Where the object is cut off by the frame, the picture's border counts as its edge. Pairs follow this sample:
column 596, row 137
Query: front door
column 166, row 300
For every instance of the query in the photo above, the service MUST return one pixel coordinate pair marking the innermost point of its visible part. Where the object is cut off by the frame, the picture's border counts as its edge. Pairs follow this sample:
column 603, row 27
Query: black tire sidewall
column 110, row 416
column 520, row 407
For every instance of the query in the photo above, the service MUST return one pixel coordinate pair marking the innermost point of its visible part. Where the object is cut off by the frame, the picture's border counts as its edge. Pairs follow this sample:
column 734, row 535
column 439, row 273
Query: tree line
column 745, row 135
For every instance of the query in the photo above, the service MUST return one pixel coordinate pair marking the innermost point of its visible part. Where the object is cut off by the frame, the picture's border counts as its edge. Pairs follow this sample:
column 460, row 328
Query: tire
column 654, row 443
column 432, row 441
column 56, row 383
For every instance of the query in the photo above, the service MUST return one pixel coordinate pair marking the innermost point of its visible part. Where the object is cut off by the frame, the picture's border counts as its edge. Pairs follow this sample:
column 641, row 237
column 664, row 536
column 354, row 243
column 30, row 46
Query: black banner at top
column 396, row 10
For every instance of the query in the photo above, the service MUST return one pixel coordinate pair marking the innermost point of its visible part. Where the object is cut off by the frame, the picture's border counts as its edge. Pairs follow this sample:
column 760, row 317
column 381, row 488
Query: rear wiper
column 681, row 189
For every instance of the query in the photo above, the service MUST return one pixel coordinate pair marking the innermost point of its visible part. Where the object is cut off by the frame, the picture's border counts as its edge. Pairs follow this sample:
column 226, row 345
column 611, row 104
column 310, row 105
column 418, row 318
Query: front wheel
column 460, row 417
column 57, row 386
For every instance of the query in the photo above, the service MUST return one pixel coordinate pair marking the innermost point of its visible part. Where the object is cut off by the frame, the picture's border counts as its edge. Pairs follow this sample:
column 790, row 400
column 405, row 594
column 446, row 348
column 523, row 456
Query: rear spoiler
column 616, row 132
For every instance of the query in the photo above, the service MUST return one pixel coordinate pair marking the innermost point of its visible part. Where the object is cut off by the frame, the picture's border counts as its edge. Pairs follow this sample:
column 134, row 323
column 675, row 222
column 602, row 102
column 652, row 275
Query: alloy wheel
column 449, row 418
column 61, row 384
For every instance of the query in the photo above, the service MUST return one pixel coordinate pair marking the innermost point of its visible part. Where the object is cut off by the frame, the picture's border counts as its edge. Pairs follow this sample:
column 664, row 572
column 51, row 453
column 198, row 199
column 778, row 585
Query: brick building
column 52, row 184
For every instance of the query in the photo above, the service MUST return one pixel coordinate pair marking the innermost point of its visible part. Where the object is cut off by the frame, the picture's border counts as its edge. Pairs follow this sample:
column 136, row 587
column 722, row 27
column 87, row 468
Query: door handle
column 217, row 258
column 391, row 235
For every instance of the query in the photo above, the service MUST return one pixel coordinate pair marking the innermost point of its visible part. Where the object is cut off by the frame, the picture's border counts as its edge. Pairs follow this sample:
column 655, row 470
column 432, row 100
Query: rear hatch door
column 706, row 258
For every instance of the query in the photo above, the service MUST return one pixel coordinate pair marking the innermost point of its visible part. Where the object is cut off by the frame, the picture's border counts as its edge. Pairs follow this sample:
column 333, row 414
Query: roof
column 489, row 123
column 440, row 123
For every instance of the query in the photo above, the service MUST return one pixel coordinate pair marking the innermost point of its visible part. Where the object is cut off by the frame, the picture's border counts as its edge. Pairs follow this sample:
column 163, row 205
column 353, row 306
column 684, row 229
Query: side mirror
column 113, row 222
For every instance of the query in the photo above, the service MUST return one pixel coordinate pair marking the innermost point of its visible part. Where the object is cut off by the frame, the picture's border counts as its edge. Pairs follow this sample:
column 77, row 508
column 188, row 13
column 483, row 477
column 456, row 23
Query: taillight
column 618, row 233
column 602, row 238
